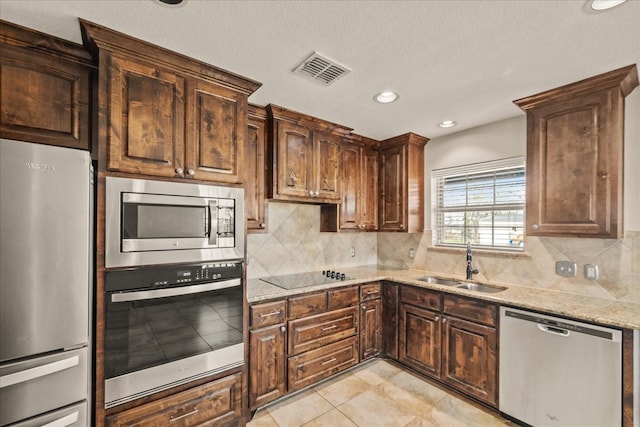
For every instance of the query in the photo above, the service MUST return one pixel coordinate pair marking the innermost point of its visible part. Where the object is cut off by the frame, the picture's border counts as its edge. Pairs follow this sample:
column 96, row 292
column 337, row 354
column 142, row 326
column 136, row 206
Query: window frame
column 474, row 172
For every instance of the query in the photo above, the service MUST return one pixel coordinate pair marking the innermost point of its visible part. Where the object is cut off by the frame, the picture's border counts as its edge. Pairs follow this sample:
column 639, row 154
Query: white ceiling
column 461, row 60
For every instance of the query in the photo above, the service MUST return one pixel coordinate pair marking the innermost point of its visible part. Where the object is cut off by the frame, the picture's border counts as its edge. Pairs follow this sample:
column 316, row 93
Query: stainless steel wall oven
column 168, row 325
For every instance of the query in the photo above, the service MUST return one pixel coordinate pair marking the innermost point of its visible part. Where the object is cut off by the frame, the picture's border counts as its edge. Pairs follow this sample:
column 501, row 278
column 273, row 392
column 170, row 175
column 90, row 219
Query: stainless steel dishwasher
column 559, row 372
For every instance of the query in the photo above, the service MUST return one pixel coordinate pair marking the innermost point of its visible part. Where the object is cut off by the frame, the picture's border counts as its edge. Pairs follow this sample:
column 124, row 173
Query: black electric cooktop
column 301, row 280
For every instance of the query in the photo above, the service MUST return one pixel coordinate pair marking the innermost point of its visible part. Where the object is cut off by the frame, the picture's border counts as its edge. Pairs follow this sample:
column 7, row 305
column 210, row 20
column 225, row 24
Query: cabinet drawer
column 424, row 298
column 470, row 309
column 321, row 363
column 268, row 313
column 343, row 297
column 215, row 403
column 307, row 304
column 316, row 331
column 369, row 291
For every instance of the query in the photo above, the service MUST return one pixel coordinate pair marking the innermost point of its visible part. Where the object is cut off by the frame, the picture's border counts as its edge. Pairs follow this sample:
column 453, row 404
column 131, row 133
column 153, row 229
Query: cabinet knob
column 535, row 226
column 311, row 193
column 283, row 328
column 262, row 225
column 437, row 318
column 179, row 171
column 316, row 193
column 191, row 172
column 444, row 319
column 401, row 226
column 363, row 306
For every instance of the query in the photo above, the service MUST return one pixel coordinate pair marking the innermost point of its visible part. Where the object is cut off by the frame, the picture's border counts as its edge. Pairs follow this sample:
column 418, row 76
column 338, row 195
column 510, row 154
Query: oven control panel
column 172, row 275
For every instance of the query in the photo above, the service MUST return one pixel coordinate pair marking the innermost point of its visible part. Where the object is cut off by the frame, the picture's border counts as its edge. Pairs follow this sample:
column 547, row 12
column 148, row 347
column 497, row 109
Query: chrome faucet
column 470, row 270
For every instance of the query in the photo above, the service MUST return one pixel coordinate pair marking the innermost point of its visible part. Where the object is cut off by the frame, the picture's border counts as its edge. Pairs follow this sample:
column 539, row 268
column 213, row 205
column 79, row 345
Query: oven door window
column 146, row 333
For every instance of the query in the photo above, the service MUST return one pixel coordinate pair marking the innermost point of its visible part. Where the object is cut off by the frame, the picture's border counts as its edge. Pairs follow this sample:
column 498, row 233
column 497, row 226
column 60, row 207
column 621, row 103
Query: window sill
column 482, row 252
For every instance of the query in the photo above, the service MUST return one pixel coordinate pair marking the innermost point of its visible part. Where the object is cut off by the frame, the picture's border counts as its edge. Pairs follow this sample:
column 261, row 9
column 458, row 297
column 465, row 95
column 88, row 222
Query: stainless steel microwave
column 156, row 222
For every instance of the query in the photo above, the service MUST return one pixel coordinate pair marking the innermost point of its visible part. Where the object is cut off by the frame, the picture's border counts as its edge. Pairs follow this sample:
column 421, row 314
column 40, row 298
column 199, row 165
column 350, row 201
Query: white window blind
column 482, row 203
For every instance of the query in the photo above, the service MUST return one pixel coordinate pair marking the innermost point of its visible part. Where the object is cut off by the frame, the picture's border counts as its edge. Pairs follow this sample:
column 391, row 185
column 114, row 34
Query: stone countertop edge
column 591, row 309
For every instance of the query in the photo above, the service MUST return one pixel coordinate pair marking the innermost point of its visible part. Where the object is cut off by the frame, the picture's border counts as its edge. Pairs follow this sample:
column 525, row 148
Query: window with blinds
column 481, row 203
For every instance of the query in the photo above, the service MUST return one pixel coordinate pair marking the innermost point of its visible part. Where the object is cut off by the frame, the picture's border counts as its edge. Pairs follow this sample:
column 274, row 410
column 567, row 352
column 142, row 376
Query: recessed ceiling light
column 447, row 124
column 599, row 5
column 386, row 97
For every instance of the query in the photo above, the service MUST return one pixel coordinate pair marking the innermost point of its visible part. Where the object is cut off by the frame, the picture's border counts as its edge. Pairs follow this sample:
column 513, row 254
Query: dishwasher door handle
column 553, row 330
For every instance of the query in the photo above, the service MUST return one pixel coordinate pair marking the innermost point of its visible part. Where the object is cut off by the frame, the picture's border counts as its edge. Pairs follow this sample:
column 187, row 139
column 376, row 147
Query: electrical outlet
column 412, row 253
column 591, row 271
column 566, row 268
column 353, row 252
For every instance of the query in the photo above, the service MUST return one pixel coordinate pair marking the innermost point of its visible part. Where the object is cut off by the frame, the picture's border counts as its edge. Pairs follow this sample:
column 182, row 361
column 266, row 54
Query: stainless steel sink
column 480, row 288
column 438, row 281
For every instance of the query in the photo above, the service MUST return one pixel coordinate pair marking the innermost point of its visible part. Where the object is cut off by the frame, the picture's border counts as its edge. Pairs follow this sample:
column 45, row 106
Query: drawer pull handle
column 326, row 362
column 174, row 418
column 273, row 313
column 372, row 292
column 328, row 328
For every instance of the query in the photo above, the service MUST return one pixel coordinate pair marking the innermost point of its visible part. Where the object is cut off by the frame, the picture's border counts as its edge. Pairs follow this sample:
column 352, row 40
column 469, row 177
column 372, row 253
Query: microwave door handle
column 172, row 292
column 212, row 208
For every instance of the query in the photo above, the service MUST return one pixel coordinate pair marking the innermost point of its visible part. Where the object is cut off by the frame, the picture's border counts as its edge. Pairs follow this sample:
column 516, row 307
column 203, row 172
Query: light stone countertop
column 596, row 310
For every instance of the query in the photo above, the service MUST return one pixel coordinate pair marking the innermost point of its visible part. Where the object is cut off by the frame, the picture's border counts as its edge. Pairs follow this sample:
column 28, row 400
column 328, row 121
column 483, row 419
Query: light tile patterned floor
column 377, row 393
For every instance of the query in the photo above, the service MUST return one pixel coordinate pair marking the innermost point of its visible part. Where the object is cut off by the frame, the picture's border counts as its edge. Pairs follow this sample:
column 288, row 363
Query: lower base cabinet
column 218, row 403
column 267, row 364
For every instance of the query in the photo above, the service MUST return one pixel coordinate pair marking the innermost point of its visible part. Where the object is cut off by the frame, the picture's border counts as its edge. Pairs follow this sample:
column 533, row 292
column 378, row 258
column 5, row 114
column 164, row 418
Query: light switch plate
column 591, row 271
column 566, row 268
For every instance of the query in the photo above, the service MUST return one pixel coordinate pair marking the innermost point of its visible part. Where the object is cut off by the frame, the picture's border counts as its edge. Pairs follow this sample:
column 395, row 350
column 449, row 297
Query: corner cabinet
column 401, row 184
column 358, row 208
column 303, row 157
column 575, row 144
column 166, row 115
column 46, row 88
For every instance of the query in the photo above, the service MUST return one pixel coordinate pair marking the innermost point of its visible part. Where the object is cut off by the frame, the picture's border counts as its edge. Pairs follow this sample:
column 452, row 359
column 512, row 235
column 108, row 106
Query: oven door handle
column 172, row 292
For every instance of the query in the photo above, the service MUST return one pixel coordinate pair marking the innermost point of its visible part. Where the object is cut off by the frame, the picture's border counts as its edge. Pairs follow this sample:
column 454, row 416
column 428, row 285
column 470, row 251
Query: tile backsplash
column 294, row 244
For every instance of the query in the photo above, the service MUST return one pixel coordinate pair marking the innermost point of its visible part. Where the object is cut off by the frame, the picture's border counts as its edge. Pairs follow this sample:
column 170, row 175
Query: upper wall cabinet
column 401, row 184
column 303, row 157
column 254, row 178
column 45, row 87
column 164, row 114
column 575, row 142
column 358, row 208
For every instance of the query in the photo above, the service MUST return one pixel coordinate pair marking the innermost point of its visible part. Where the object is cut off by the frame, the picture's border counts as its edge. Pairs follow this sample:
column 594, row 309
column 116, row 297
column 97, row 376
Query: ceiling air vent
column 321, row 69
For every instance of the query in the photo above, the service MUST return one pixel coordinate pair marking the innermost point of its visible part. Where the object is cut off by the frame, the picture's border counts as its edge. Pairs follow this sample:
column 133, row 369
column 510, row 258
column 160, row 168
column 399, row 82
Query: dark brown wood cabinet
column 304, row 155
column 469, row 347
column 267, row 352
column 163, row 114
column 370, row 320
column 575, row 142
column 45, row 88
column 401, row 184
column 216, row 403
column 254, row 171
column 358, row 208
column 455, row 342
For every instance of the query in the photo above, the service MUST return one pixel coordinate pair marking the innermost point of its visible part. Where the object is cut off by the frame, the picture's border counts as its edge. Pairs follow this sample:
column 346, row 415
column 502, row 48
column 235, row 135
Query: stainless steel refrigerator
column 45, row 284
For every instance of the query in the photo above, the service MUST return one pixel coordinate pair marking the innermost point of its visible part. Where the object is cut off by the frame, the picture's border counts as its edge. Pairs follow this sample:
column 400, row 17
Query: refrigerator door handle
column 38, row 372
column 64, row 421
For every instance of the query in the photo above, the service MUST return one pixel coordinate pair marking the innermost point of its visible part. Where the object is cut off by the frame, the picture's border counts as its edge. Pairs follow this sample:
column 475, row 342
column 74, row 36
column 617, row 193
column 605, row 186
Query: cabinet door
column 350, row 208
column 469, row 352
column 43, row 99
column 419, row 339
column 392, row 186
column 370, row 329
column 216, row 128
column 369, row 190
column 295, row 161
column 217, row 403
column 254, row 176
column 573, row 166
column 146, row 116
column 266, row 364
column 328, row 173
